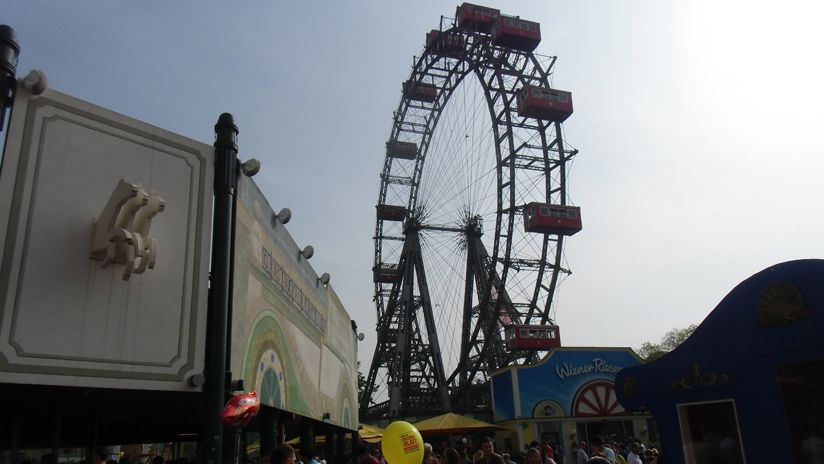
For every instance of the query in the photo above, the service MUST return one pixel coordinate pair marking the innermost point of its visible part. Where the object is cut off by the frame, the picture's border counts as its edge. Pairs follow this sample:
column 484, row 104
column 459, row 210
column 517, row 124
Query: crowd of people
column 464, row 451
column 599, row 451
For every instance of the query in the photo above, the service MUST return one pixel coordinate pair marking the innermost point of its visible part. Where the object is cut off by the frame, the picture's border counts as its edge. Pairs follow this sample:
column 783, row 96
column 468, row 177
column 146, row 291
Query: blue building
column 748, row 385
column 567, row 396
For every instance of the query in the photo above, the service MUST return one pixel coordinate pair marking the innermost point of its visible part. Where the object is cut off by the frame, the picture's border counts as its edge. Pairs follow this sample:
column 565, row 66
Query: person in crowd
column 633, row 456
column 451, row 456
column 597, row 460
column 307, row 455
column 533, row 456
column 429, row 455
column 463, row 451
column 651, row 456
column 486, row 454
column 599, row 449
column 618, row 447
column 812, row 442
column 549, row 452
column 582, row 457
column 100, row 456
column 557, row 451
column 364, row 457
column 283, row 454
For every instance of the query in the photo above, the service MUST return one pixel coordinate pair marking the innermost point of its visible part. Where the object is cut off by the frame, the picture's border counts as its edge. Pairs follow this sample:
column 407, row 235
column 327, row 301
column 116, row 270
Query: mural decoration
column 548, row 408
column 630, row 387
column 292, row 340
column 346, row 414
column 269, row 379
column 701, row 379
column 780, row 304
column 567, row 382
column 597, row 398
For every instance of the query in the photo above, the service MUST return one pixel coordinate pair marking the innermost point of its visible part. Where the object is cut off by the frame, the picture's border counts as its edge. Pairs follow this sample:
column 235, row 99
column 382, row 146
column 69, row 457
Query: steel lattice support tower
column 410, row 355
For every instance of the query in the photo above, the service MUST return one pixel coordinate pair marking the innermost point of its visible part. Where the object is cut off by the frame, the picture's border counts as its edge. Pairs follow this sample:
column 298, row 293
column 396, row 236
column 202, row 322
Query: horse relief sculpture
column 121, row 234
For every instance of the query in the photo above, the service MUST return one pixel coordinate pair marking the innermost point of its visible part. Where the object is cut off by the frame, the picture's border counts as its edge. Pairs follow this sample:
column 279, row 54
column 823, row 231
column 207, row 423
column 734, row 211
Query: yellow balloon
column 402, row 443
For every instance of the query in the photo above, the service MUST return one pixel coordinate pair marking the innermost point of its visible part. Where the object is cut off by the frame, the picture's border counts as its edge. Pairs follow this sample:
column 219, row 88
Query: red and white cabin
column 532, row 337
column 544, row 103
column 386, row 273
column 552, row 219
column 516, row 33
column 476, row 18
column 445, row 43
column 420, row 91
column 405, row 150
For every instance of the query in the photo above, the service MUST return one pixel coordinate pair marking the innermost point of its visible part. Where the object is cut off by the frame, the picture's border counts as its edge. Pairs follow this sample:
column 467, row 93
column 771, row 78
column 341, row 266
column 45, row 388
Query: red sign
column 410, row 443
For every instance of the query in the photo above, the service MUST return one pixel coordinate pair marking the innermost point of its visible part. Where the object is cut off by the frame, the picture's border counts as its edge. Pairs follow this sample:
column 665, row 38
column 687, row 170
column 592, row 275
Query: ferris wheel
column 471, row 217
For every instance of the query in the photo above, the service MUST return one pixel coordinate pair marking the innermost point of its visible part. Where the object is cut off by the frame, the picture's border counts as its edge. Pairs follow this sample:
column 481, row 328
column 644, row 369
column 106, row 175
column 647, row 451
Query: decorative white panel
column 68, row 319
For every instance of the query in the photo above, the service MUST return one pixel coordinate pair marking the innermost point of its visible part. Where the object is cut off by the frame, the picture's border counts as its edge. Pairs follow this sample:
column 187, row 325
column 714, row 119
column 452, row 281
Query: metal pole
column 329, row 448
column 231, row 453
column 307, row 433
column 15, row 436
column 340, row 445
column 217, row 318
column 268, row 431
column 58, row 419
column 355, row 442
column 9, row 53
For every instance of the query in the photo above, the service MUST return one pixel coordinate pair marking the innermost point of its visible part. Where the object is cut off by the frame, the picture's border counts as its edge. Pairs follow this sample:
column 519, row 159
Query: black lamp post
column 9, row 53
column 220, row 289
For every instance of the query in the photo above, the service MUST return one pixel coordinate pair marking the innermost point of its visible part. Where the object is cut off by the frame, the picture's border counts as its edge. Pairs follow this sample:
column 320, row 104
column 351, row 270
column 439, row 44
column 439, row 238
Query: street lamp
column 9, row 54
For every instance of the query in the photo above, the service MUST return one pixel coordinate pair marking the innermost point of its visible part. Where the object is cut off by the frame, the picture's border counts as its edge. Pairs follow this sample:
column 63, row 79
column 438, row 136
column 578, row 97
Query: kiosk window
column 801, row 387
column 710, row 433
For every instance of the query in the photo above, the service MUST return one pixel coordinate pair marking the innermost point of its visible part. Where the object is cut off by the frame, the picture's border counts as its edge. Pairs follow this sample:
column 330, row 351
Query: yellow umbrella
column 453, row 423
column 370, row 433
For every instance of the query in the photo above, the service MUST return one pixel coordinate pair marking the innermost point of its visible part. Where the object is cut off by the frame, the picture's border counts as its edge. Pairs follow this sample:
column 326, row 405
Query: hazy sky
column 699, row 126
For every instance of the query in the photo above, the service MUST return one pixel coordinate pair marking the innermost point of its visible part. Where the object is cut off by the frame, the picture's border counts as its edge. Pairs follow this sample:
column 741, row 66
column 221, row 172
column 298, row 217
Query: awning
column 368, row 433
column 453, row 423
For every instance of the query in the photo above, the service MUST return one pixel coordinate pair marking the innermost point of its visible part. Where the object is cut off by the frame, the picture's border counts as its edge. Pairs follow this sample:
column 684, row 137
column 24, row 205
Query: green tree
column 651, row 351
column 361, row 382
